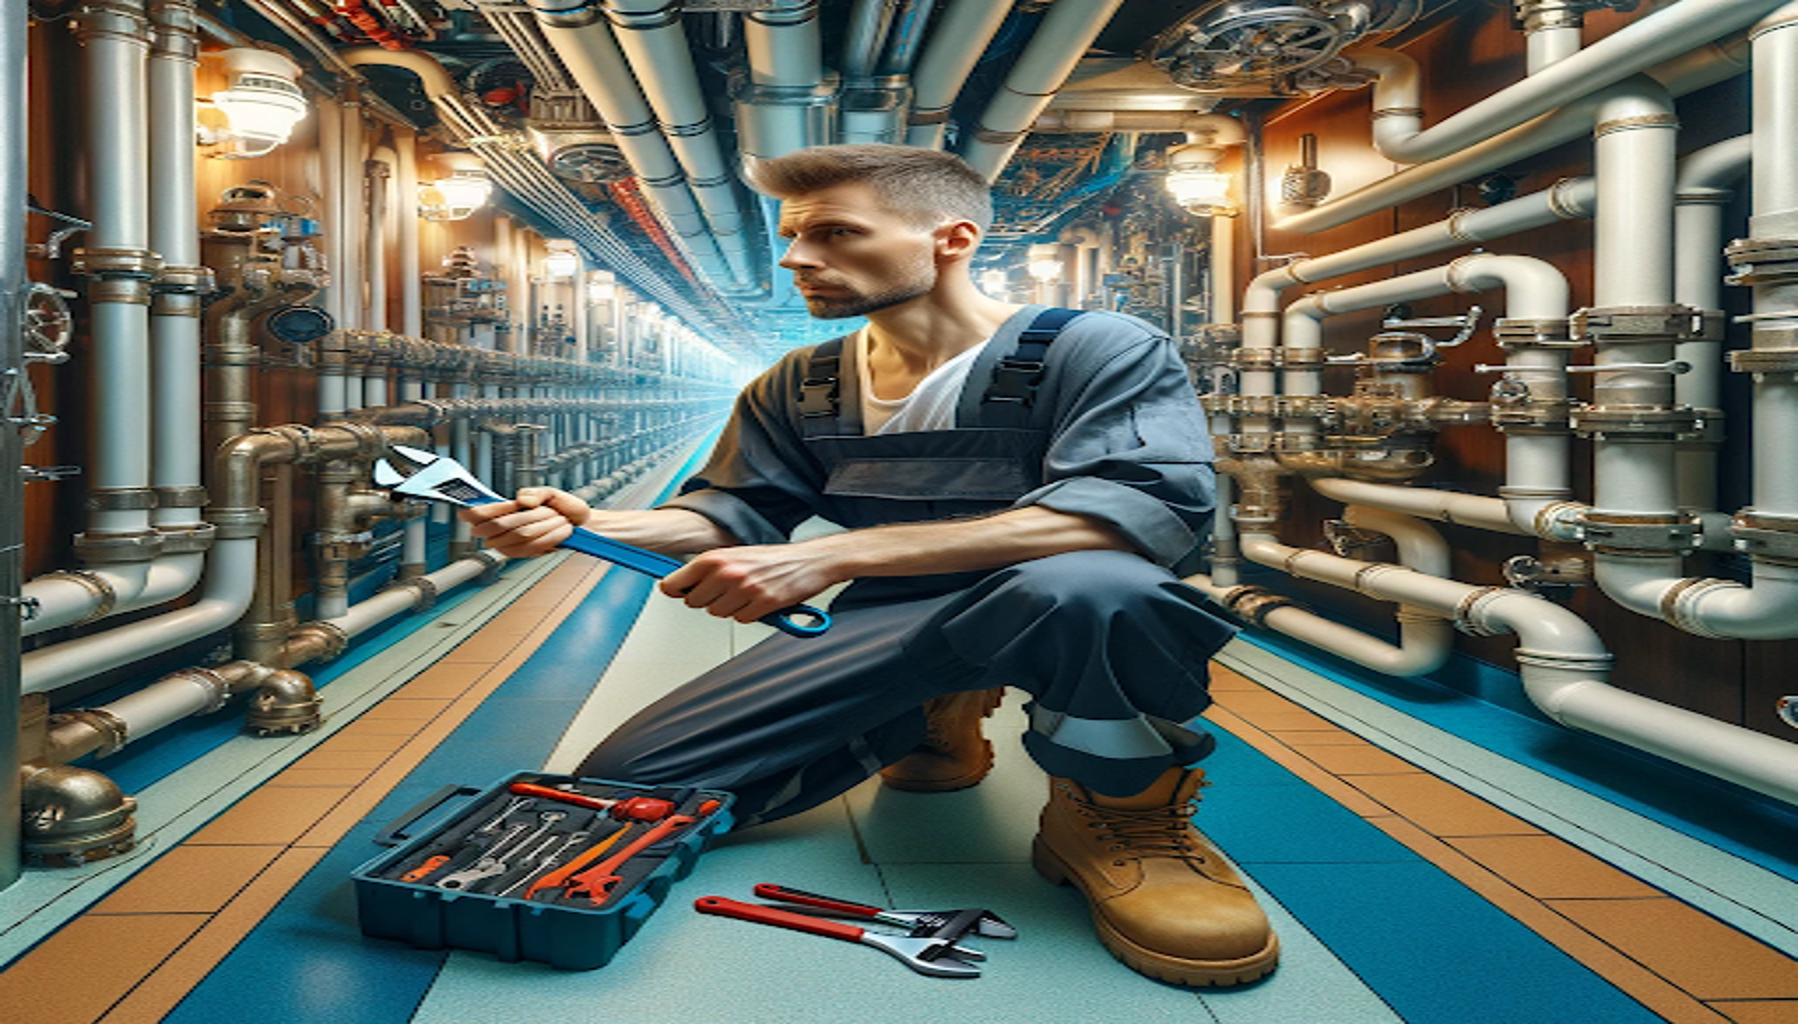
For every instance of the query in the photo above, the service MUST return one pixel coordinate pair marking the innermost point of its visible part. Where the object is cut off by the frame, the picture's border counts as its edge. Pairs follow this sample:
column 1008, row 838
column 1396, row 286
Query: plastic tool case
column 402, row 893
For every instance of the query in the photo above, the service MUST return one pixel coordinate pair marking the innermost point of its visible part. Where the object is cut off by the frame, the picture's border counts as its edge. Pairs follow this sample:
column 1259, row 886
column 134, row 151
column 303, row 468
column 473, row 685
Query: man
column 1014, row 490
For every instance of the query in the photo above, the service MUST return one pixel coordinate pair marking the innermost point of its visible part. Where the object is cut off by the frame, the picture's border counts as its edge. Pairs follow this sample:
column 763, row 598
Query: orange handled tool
column 596, row 882
column 555, row 879
column 636, row 808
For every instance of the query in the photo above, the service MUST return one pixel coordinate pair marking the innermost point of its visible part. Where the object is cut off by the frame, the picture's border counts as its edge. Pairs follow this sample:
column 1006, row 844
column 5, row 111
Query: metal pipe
column 1064, row 35
column 412, row 322
column 962, row 34
column 1702, row 67
column 1564, row 666
column 1636, row 47
column 869, row 22
column 905, row 37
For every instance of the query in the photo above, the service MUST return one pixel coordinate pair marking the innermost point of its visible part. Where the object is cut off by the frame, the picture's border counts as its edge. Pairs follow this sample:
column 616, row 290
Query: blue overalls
column 1111, row 647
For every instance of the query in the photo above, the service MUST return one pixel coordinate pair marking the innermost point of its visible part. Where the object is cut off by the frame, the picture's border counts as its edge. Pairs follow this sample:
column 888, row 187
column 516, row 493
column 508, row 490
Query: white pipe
column 229, row 584
column 379, row 174
column 1703, row 67
column 1546, row 47
column 355, row 298
column 174, row 217
column 1423, row 502
column 333, row 397
column 784, row 106
column 1060, row 40
column 1702, row 192
column 412, row 323
column 656, row 50
column 1647, row 41
column 1564, row 667
column 963, row 32
column 365, row 615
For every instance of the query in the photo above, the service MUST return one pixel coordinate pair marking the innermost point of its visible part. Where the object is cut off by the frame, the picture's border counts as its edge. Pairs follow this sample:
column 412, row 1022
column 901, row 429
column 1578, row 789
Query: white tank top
column 930, row 406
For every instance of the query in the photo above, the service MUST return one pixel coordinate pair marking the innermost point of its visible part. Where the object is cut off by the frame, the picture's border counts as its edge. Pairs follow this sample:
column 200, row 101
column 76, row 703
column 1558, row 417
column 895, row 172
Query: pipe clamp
column 1645, row 423
column 1624, row 124
column 129, row 263
column 424, row 592
column 1519, row 332
column 1601, row 324
column 105, row 597
column 237, row 523
column 185, row 281
column 114, row 548
column 1614, row 533
column 121, row 499
column 1470, row 613
column 113, row 730
column 1761, row 260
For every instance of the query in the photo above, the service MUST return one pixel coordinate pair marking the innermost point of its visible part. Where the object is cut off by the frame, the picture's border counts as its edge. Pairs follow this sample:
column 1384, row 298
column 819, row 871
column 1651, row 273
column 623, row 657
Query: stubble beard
column 841, row 307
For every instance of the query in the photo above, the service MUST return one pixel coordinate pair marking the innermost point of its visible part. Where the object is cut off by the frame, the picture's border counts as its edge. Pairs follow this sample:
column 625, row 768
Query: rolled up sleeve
column 1132, row 450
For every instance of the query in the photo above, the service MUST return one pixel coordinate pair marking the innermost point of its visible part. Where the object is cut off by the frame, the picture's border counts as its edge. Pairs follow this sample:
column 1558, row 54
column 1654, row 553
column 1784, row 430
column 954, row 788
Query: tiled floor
column 1402, row 891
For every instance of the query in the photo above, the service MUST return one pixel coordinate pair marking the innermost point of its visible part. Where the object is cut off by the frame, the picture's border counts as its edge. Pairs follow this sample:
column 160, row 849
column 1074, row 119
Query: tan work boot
column 1165, row 902
column 954, row 754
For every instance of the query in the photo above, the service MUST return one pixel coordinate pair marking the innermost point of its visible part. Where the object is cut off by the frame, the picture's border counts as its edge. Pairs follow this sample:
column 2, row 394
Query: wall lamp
column 456, row 197
column 561, row 264
column 1045, row 263
column 262, row 103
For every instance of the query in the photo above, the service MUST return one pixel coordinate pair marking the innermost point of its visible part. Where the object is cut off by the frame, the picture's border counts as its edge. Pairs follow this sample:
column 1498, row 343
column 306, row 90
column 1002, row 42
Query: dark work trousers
column 1112, row 649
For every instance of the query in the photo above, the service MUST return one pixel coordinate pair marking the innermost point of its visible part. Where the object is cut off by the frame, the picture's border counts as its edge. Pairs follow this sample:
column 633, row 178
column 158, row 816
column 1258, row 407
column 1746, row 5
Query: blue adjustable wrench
column 416, row 473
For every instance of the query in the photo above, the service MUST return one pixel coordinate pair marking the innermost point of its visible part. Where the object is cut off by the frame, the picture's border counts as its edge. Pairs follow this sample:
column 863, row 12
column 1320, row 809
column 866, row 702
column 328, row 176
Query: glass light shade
column 602, row 286
column 262, row 111
column 1200, row 191
column 994, row 281
column 456, row 197
column 1045, row 269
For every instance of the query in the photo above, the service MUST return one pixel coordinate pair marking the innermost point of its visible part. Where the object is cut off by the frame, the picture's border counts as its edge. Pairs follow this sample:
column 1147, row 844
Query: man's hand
column 532, row 523
column 747, row 583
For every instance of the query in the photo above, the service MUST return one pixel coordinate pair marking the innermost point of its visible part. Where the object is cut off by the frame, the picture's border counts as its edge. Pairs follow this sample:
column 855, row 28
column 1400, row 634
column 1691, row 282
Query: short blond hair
column 925, row 186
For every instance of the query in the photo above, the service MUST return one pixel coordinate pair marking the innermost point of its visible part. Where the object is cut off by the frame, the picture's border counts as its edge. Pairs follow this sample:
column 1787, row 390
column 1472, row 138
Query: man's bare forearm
column 964, row 545
column 671, row 531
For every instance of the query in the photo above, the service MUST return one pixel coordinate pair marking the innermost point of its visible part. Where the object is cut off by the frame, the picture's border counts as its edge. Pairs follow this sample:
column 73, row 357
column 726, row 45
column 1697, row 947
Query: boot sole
column 1176, row 970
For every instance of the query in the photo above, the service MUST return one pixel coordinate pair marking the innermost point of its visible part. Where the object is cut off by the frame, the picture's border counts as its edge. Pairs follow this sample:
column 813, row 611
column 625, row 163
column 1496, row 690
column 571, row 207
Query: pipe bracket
column 121, row 499
column 1518, row 332
column 237, row 523
column 185, row 281
column 1761, row 260
column 1621, row 533
column 124, row 263
column 188, row 496
column 1645, row 423
column 1254, row 604
column 1602, row 324
column 1765, row 537
column 1764, row 360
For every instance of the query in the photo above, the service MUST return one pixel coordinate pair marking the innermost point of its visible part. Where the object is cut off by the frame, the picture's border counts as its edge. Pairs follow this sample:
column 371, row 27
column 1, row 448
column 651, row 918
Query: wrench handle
column 811, row 899
column 561, row 875
column 779, row 918
column 597, row 881
column 635, row 808
column 800, row 620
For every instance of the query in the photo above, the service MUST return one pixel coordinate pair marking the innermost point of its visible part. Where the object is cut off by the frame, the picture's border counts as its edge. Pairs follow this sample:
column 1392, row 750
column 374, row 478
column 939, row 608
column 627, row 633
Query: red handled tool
column 635, row 808
column 927, row 923
column 939, row 958
column 596, row 882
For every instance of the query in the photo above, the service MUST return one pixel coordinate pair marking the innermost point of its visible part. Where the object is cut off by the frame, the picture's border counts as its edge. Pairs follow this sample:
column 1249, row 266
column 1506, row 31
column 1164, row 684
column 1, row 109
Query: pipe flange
column 187, row 496
column 117, row 548
column 1299, row 358
column 74, row 815
column 141, row 264
column 1532, row 417
column 114, row 731
column 424, row 590
column 1635, row 123
column 1649, row 423
column 189, row 539
column 118, row 19
column 1681, row 599
column 328, row 637
column 1761, row 260
column 286, row 702
column 494, row 562
column 105, row 597
column 216, row 686
column 1254, row 604
column 1470, row 613
column 1764, row 360
column 237, row 523
column 185, row 281
column 1255, row 358
column 1521, row 332
column 1302, row 407
column 1765, row 537
column 1622, row 533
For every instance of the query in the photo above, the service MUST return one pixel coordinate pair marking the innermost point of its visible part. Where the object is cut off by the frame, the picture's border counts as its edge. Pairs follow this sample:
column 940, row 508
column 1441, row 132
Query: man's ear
column 957, row 240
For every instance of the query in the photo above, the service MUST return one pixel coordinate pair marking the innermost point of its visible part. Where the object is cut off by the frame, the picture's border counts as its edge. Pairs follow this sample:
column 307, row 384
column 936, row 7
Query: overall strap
column 1009, row 397
column 821, row 391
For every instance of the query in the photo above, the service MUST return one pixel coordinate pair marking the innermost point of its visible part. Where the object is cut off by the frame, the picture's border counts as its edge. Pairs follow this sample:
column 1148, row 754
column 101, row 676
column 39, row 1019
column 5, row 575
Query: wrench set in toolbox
column 539, row 867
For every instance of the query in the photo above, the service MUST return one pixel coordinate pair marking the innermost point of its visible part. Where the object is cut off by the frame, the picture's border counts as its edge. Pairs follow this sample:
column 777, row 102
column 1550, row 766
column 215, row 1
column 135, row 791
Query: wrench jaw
column 938, row 958
column 416, row 473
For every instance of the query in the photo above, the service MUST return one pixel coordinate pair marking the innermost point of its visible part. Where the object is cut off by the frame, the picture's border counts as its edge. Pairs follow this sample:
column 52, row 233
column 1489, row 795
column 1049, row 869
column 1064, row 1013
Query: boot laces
column 1157, row 831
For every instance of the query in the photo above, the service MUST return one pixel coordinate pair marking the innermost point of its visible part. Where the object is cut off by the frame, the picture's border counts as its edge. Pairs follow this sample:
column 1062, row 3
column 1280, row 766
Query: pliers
column 416, row 473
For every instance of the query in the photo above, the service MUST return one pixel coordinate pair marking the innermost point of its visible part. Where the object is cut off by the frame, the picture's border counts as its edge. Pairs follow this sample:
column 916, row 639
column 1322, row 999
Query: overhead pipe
column 1062, row 38
column 333, row 382
column 14, row 185
column 963, row 32
column 655, row 47
column 583, row 40
column 1399, row 134
column 906, row 37
column 785, row 100
column 1703, row 66
column 1426, row 639
column 875, row 96
column 1564, row 666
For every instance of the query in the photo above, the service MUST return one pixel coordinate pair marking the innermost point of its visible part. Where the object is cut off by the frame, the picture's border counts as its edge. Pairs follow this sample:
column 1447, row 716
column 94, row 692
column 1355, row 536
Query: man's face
column 851, row 256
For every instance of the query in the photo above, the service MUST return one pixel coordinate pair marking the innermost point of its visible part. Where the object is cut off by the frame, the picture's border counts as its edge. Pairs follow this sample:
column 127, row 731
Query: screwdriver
column 636, row 808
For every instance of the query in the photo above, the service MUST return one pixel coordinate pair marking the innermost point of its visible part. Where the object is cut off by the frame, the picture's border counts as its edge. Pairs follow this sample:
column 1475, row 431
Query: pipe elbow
column 1725, row 609
column 1534, row 289
column 431, row 74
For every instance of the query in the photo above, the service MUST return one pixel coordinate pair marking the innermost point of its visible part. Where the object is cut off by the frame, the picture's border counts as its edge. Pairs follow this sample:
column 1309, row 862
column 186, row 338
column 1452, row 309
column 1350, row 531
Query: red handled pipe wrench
column 952, row 924
column 936, row 957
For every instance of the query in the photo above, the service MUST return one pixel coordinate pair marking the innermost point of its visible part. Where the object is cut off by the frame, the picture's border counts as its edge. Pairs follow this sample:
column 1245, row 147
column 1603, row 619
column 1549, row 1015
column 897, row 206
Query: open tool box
column 537, row 867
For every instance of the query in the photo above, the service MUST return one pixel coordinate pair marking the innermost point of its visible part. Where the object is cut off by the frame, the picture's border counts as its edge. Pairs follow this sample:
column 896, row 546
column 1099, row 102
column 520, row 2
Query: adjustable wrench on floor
column 415, row 473
column 939, row 958
column 921, row 923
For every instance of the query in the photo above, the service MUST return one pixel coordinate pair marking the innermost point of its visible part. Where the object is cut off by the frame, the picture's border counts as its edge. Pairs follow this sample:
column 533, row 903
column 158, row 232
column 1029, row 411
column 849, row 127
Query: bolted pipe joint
column 286, row 702
column 74, row 815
